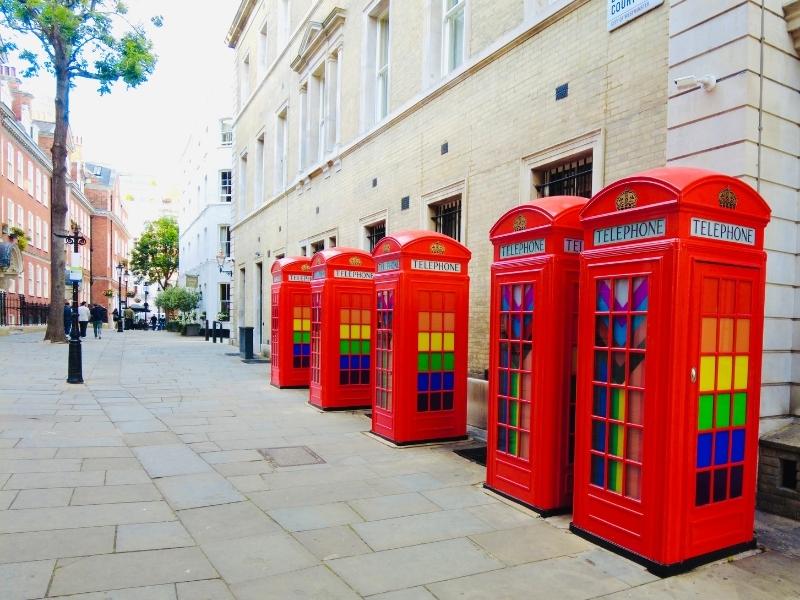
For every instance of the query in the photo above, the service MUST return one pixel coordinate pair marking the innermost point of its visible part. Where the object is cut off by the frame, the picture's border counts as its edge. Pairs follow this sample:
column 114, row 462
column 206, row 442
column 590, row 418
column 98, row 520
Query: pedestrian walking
column 84, row 314
column 98, row 318
column 153, row 322
column 67, row 319
column 128, row 312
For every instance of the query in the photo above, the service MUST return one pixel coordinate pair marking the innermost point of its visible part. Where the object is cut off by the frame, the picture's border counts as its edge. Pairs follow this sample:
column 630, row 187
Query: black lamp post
column 75, row 360
column 120, row 269
column 146, row 287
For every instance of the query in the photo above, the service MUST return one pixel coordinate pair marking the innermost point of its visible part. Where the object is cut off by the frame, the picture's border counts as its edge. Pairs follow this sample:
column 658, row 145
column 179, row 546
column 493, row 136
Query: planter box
column 192, row 330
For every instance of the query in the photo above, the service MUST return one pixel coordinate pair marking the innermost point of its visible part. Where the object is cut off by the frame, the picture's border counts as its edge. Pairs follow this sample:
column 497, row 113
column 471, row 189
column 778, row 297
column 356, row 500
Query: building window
column 226, row 132
column 30, row 178
column 262, row 50
column 45, row 237
column 38, row 189
column 10, row 162
column 321, row 116
column 38, row 242
column 446, row 216
column 20, row 171
column 572, row 177
column 382, row 67
column 259, row 178
column 375, row 233
column 303, row 134
column 241, row 187
column 453, row 34
column 225, row 240
column 45, row 283
column 45, row 190
column 225, row 185
column 244, row 81
column 280, row 150
column 30, row 226
column 317, row 246
column 284, row 23
column 225, row 298
column 10, row 214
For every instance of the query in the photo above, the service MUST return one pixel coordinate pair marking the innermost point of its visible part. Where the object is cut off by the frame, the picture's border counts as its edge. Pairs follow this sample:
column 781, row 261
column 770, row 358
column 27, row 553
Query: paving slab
column 419, row 529
column 150, row 592
column 101, row 452
column 304, row 518
column 40, row 545
column 129, row 569
column 416, row 593
column 110, row 464
column 417, row 565
column 44, row 498
column 459, row 496
column 110, row 494
column 564, row 578
column 71, row 517
column 170, row 459
column 26, row 580
column 213, row 589
column 143, row 426
column 7, row 498
column 29, row 481
column 152, row 536
column 226, row 522
column 387, row 507
column 256, row 557
column 535, row 542
column 332, row 542
column 127, row 477
column 200, row 489
column 316, row 582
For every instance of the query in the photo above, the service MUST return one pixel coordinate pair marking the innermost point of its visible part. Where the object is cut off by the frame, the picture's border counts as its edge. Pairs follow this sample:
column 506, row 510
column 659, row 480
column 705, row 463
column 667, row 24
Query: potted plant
column 223, row 316
column 19, row 233
column 109, row 293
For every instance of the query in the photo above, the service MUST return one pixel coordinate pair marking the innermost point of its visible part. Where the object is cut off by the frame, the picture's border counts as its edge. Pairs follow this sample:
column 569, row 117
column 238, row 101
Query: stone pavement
column 146, row 483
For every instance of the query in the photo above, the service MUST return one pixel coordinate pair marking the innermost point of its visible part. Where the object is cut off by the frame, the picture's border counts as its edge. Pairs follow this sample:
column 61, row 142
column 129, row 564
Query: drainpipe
column 760, row 98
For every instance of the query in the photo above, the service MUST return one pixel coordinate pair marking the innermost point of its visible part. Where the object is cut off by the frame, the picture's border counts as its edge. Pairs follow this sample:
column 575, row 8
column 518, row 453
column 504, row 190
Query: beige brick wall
column 491, row 118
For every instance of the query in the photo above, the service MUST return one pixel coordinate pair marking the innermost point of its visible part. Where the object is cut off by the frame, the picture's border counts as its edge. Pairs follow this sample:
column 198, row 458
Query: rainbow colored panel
column 354, row 346
column 436, row 344
column 301, row 337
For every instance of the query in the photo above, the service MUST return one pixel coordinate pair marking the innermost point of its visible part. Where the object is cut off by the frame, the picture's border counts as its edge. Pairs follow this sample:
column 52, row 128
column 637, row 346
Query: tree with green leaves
column 155, row 253
column 79, row 39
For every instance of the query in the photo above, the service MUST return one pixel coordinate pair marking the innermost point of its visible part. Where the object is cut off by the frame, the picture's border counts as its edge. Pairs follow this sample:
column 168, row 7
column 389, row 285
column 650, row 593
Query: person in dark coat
column 98, row 318
column 67, row 319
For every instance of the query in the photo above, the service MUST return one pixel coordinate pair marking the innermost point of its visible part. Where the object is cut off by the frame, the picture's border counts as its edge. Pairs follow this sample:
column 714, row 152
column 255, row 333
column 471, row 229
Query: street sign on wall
column 622, row 11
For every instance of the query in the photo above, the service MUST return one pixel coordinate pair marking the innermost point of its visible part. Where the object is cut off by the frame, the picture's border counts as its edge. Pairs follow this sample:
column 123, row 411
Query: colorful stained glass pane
column 726, row 335
column 737, row 445
column 599, row 436
column 720, row 485
column 737, row 474
column 423, row 342
column 449, row 321
column 741, row 372
column 516, row 327
column 601, row 366
column 516, row 300
column 638, row 332
column 708, row 335
column 615, row 476
column 705, row 412
column 436, row 362
column 707, row 367
column 344, row 332
column 600, row 405
column 449, row 361
column 615, row 439
column 514, row 385
column 641, row 293
column 724, row 372
column 515, row 356
column 524, row 445
column 525, row 386
column 502, row 410
column 618, row 404
column 344, row 347
column 636, row 407
column 505, row 298
column 704, row 450
column 601, row 331
column 528, row 297
column 502, row 438
column 723, row 410
column 527, row 328
column 449, row 342
column 603, row 295
column 621, row 289
column 436, row 321
column 504, row 354
column 739, row 409
column 721, row 447
column 620, row 331
column 702, row 488
column 525, row 415
column 634, row 444
column 618, row 367
column 422, row 361
column 743, row 335
column 633, row 481
column 598, row 471
column 636, row 369
column 514, row 413
column 513, row 439
column 436, row 342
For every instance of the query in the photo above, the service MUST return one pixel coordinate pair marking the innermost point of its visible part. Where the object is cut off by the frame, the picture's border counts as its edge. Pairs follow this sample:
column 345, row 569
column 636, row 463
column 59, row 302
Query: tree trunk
column 58, row 204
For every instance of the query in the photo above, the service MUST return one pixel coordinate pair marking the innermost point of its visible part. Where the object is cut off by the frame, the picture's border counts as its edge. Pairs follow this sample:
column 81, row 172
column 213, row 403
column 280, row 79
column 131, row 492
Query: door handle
column 693, row 375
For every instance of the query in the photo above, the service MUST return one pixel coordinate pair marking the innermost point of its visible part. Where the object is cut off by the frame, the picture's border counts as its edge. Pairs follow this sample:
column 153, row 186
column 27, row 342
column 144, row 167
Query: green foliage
column 155, row 254
column 22, row 239
column 180, row 299
column 80, row 37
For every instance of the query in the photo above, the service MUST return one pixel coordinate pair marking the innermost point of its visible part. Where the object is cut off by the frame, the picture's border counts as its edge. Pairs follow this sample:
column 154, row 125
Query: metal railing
column 15, row 310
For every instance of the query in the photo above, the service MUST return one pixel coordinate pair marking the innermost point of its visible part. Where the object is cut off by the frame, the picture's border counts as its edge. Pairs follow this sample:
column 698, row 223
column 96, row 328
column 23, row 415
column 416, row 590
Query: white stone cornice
column 791, row 11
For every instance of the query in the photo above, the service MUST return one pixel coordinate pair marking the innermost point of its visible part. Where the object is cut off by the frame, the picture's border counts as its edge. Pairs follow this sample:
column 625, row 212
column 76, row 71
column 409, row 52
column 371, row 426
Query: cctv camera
column 708, row 82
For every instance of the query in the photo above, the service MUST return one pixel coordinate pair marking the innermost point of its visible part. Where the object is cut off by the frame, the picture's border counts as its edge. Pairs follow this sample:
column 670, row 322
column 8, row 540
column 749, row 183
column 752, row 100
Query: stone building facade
column 358, row 118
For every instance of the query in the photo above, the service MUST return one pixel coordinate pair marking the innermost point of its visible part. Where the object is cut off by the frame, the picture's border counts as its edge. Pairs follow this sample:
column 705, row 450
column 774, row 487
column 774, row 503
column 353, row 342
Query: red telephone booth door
column 725, row 309
column 625, row 381
column 383, row 407
column 516, row 294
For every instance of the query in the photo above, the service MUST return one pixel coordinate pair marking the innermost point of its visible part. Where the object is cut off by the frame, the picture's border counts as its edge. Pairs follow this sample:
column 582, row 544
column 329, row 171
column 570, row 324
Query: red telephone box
column 342, row 313
column 533, row 345
column 422, row 292
column 669, row 370
column 291, row 322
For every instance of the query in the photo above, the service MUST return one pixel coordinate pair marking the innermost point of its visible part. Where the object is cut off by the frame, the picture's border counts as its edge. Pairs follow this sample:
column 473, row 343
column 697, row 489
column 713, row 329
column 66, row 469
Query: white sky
column 143, row 130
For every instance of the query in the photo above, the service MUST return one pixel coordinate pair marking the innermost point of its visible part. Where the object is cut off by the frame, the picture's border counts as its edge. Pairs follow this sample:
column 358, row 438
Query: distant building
column 206, row 216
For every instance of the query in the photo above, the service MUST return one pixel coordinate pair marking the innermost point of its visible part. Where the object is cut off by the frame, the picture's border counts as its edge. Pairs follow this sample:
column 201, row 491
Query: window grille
column 447, row 217
column 570, row 178
column 375, row 233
